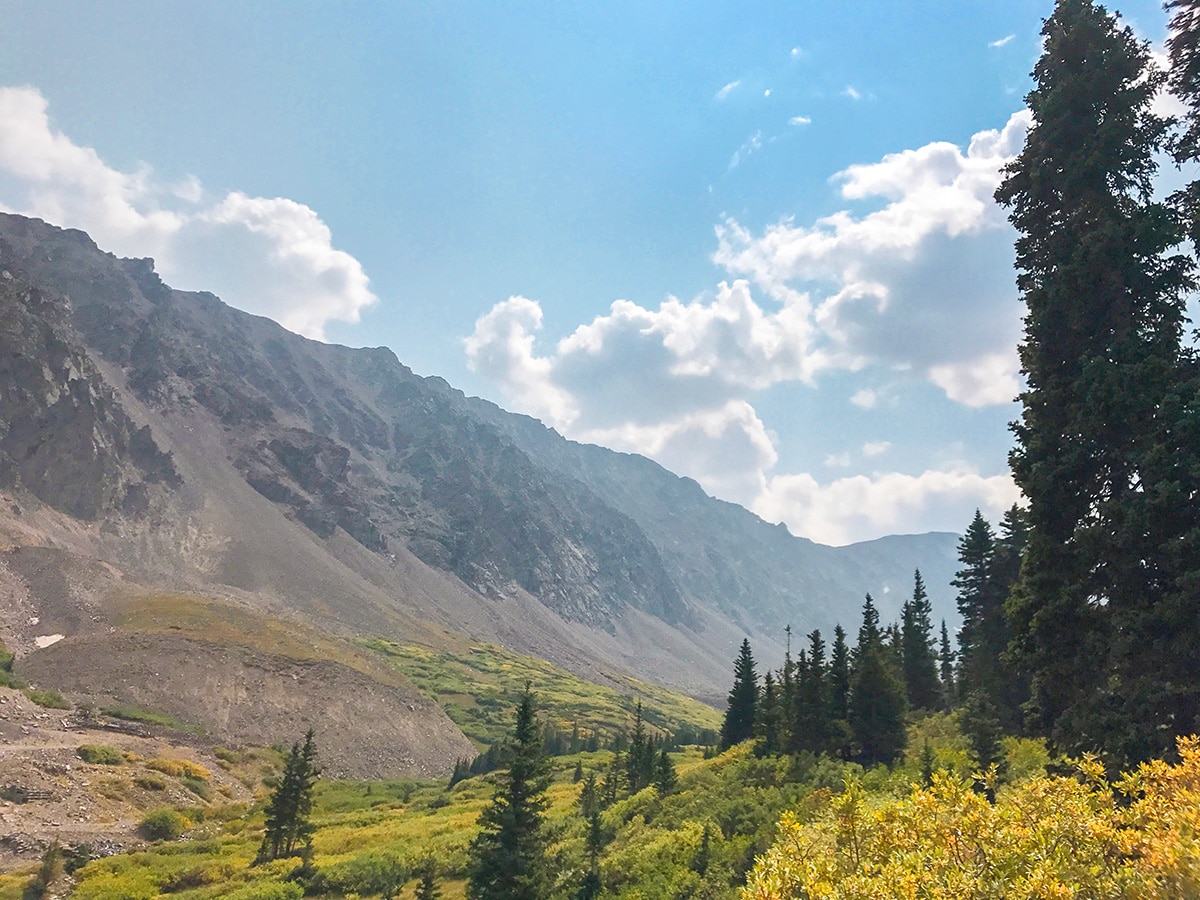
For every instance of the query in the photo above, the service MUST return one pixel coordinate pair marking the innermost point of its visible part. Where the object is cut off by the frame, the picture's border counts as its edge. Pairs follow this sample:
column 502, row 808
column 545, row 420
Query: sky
column 752, row 241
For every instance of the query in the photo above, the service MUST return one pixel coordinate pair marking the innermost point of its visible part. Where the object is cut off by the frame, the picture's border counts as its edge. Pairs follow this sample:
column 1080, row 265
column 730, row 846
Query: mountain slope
column 335, row 485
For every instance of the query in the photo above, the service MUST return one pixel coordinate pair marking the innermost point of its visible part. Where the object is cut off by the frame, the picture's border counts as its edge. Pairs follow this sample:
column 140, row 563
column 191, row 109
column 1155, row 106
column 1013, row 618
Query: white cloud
column 851, row 92
column 726, row 91
column 864, row 399
column 922, row 283
column 861, row 507
column 796, row 51
column 767, row 92
column 800, row 120
column 913, row 277
column 1004, row 41
column 751, row 145
column 273, row 257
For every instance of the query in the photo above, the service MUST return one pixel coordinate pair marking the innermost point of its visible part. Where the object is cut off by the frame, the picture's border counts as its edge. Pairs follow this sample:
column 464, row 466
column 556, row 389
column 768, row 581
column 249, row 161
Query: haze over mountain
column 164, row 441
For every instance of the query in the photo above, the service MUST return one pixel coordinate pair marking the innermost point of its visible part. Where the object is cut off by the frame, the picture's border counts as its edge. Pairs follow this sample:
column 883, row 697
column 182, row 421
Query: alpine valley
column 249, row 532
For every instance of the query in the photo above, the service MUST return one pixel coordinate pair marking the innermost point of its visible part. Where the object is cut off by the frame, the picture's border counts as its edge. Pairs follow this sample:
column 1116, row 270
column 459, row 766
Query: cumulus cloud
column 851, row 508
column 274, row 257
column 921, row 283
column 800, row 120
column 913, row 279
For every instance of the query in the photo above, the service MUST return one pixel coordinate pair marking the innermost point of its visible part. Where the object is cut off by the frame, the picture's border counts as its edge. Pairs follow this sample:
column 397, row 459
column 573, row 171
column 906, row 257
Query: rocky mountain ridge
column 219, row 453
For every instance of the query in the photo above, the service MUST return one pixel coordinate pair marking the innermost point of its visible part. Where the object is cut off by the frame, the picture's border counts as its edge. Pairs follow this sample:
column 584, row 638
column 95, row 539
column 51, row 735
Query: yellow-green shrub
column 1047, row 837
column 179, row 768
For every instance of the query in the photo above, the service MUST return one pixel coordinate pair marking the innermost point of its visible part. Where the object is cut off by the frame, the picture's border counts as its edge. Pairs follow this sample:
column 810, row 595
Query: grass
column 150, row 717
column 478, row 685
column 47, row 699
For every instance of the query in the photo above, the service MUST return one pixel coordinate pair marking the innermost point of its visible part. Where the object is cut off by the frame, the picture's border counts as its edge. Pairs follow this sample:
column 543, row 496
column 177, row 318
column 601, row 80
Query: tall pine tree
column 877, row 701
column 288, row 813
column 1101, row 356
column 742, row 710
column 506, row 860
column 916, row 645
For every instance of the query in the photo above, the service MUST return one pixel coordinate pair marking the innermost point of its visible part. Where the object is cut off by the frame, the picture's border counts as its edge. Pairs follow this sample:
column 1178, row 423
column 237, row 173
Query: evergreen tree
column 839, row 675
column 506, row 859
column 812, row 717
column 877, row 702
column 742, row 711
column 770, row 717
column 427, row 887
column 664, row 774
column 946, row 669
column 916, row 641
column 1105, row 610
column 639, row 761
column 289, row 828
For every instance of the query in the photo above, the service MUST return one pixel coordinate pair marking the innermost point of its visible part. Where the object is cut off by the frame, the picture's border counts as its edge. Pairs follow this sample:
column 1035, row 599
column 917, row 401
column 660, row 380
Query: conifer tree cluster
column 849, row 702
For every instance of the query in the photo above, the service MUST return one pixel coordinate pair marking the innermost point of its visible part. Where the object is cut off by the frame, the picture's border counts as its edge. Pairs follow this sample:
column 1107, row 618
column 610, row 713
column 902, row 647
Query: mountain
column 175, row 444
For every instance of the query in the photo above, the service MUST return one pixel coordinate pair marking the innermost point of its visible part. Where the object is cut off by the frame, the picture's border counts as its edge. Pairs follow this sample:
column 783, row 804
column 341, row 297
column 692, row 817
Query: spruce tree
column 289, row 827
column 946, row 669
column 664, row 774
column 1104, row 593
column 916, row 643
column 742, row 710
column 812, row 717
column 839, row 675
column 877, row 701
column 506, row 860
column 770, row 717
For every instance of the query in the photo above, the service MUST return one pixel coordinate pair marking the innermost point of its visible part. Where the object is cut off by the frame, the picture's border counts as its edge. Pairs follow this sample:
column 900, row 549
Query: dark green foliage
column 946, row 668
column 163, row 824
column 1184, row 48
column 742, row 710
column 427, row 887
column 639, row 759
column 916, row 644
column 1104, row 613
column 288, row 825
column 664, row 774
column 927, row 764
column 770, row 714
column 839, row 675
column 877, row 701
column 990, row 567
column 507, row 856
column 812, row 717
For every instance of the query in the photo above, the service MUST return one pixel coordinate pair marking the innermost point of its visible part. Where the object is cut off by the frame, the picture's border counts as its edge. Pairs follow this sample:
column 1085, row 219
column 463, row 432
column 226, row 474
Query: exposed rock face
column 415, row 500
column 63, row 435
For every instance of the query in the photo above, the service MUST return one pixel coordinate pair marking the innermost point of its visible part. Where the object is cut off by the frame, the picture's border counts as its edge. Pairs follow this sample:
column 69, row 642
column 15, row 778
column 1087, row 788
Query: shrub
column 267, row 890
column 151, row 782
column 164, row 824
column 179, row 768
column 100, row 755
column 47, row 699
column 197, row 786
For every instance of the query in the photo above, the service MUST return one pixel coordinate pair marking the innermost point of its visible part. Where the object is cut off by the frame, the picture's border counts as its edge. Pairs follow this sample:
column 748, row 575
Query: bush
column 151, row 782
column 100, row 755
column 179, row 768
column 48, row 699
column 267, row 890
column 163, row 824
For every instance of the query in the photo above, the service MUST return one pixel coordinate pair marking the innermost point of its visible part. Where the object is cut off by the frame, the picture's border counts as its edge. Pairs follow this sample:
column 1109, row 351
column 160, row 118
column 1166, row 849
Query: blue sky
column 754, row 241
